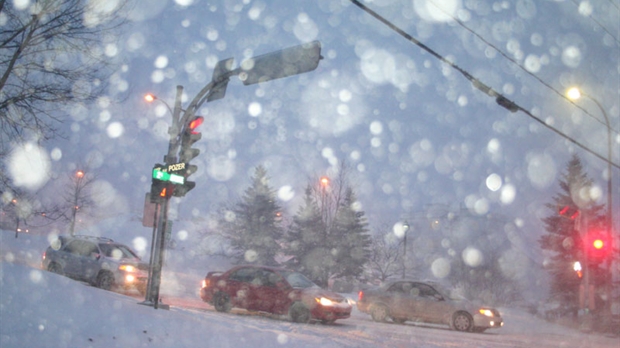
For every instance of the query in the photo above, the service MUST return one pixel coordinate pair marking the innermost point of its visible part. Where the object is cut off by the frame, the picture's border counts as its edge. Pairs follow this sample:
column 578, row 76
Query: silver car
column 406, row 300
column 99, row 261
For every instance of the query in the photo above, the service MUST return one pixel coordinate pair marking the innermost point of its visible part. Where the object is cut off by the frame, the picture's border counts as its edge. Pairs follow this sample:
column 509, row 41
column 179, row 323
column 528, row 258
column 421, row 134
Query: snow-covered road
column 41, row 309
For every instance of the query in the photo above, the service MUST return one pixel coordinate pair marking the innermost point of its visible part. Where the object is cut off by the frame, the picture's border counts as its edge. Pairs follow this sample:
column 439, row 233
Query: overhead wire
column 599, row 23
column 502, row 53
column 499, row 98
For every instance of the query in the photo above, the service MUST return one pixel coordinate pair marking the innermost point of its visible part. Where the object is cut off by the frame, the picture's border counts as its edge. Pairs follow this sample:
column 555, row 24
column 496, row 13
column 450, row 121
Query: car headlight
column 324, row 301
column 127, row 268
column 486, row 312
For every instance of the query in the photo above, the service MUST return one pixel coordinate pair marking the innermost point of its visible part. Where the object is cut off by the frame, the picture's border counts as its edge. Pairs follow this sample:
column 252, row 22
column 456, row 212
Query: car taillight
column 44, row 255
column 206, row 283
column 360, row 295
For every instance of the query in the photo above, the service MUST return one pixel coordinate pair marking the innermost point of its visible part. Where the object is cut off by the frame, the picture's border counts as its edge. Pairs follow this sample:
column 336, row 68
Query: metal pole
column 404, row 252
column 586, row 324
column 405, row 230
column 609, row 219
column 149, row 290
column 161, row 227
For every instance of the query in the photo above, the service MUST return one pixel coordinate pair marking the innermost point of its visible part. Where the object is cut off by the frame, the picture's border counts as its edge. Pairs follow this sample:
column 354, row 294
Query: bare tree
column 386, row 255
column 23, row 211
column 52, row 54
column 77, row 196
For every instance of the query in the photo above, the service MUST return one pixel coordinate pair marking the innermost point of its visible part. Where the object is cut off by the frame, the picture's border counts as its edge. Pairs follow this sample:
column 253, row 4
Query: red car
column 273, row 290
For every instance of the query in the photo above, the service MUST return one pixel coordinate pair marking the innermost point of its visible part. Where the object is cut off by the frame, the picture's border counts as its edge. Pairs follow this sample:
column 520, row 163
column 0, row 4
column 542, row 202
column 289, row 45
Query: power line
column 521, row 66
column 499, row 98
column 597, row 22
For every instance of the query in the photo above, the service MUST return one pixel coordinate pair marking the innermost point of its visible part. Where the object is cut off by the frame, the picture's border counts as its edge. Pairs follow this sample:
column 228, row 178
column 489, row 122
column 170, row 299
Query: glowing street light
column 324, row 181
column 151, row 98
column 575, row 93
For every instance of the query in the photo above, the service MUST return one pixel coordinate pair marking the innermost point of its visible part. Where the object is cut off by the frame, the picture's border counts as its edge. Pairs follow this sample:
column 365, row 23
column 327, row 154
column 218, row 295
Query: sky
column 414, row 131
column 41, row 309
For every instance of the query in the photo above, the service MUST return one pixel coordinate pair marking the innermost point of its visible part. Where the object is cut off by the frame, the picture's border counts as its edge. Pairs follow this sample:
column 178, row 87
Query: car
column 98, row 261
column 273, row 290
column 409, row 300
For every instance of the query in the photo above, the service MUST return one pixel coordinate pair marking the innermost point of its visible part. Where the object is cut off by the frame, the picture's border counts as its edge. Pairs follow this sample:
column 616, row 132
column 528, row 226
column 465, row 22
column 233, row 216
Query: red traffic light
column 597, row 246
column 197, row 121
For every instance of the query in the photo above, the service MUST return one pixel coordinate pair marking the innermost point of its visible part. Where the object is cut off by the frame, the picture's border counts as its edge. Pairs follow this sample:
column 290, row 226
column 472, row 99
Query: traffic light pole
column 585, row 305
column 274, row 65
column 161, row 215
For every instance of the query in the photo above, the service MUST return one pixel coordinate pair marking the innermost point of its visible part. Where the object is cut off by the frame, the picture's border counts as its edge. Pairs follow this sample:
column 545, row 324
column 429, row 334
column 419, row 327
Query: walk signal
column 160, row 191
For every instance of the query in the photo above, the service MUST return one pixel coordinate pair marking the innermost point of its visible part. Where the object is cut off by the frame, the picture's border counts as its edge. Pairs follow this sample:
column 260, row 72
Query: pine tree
column 306, row 239
column 563, row 238
column 350, row 238
column 256, row 231
column 329, row 236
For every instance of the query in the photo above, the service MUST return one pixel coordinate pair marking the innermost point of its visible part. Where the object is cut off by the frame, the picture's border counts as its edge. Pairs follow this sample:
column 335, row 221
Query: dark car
column 426, row 302
column 99, row 261
column 273, row 290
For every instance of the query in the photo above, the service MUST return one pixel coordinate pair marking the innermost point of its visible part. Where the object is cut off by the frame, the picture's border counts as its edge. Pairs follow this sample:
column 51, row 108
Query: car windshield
column 117, row 251
column 297, row 280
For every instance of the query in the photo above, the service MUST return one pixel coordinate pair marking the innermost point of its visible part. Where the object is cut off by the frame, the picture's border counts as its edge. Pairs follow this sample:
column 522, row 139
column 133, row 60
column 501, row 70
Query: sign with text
column 163, row 175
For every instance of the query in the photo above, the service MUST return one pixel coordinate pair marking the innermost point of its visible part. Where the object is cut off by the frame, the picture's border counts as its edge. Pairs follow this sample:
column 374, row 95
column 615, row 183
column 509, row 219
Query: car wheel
column 221, row 302
column 105, row 280
column 399, row 320
column 55, row 268
column 379, row 313
column 299, row 313
column 462, row 321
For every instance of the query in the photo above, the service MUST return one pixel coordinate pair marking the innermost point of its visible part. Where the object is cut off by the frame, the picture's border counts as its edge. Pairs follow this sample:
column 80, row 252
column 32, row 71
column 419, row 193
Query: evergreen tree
column 306, row 239
column 563, row 238
column 349, row 238
column 255, row 230
column 329, row 236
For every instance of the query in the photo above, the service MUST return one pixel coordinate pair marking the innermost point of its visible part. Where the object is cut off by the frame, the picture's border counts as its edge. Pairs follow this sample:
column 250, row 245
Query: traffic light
column 598, row 247
column 189, row 136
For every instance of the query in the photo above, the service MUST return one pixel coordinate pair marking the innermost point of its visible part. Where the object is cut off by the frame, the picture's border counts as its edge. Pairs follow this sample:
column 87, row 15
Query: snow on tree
column 253, row 224
column 563, row 238
column 349, row 238
column 306, row 239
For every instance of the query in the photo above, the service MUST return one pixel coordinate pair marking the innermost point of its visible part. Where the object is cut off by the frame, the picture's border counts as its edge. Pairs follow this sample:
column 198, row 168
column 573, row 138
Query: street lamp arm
column 602, row 110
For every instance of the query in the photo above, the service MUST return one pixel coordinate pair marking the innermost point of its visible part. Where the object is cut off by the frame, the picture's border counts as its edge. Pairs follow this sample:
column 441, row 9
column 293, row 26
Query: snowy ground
column 40, row 309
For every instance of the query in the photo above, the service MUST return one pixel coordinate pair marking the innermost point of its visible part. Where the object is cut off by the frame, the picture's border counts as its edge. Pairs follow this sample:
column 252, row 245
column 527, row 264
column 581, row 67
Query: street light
column 574, row 93
column 151, row 98
column 79, row 176
column 324, row 182
column 405, row 229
